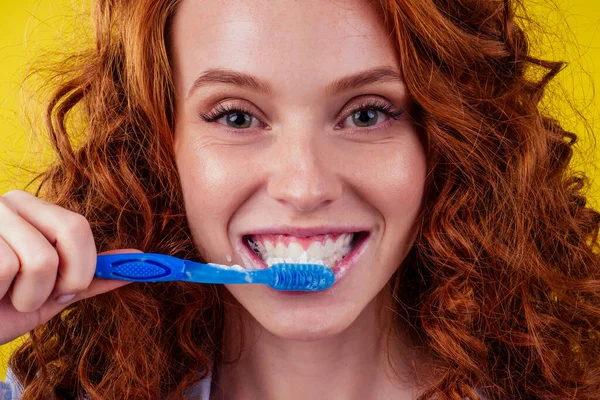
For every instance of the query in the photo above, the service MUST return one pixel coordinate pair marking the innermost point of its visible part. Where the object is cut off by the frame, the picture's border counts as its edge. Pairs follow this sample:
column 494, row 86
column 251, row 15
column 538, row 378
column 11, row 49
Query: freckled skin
column 300, row 168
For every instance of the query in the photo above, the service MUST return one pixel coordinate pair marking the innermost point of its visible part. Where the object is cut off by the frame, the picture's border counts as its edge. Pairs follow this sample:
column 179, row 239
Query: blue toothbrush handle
column 142, row 267
column 151, row 267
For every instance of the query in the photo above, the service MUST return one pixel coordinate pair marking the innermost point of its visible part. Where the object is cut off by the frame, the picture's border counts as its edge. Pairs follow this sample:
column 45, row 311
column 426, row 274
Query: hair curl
column 501, row 287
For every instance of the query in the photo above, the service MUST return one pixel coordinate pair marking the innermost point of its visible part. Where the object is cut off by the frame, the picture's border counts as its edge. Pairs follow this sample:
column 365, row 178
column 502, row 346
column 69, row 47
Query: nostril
column 305, row 190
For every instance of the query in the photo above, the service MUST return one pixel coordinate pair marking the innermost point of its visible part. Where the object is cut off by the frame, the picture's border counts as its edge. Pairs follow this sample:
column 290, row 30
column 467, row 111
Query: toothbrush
column 152, row 267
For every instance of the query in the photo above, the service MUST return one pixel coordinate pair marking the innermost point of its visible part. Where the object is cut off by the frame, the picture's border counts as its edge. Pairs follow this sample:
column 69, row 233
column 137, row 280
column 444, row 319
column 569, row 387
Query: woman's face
column 290, row 139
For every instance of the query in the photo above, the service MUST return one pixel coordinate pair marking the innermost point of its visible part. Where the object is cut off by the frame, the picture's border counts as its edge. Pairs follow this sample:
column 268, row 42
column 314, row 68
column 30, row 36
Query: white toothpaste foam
column 235, row 267
column 303, row 259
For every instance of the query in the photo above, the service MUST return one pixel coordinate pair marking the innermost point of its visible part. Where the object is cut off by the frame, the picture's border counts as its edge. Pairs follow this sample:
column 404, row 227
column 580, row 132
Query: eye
column 371, row 114
column 232, row 116
column 363, row 116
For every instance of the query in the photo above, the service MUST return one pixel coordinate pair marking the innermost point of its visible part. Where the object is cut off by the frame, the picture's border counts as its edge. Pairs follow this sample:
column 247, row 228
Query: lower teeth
column 278, row 260
column 303, row 259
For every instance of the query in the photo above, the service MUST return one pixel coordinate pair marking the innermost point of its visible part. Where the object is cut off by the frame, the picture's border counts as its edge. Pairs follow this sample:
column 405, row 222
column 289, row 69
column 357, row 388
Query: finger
column 69, row 232
column 15, row 322
column 9, row 267
column 20, row 322
column 38, row 261
column 97, row 286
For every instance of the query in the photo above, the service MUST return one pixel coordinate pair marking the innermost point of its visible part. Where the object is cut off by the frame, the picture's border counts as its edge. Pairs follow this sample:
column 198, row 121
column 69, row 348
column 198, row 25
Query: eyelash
column 222, row 110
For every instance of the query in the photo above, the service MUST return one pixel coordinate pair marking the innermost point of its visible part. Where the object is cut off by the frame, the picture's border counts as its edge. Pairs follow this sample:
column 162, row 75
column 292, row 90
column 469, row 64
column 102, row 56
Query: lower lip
column 340, row 270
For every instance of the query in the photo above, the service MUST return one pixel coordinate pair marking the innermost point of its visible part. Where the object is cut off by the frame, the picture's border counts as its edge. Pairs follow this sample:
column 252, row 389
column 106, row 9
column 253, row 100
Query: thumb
column 96, row 287
column 99, row 285
column 120, row 251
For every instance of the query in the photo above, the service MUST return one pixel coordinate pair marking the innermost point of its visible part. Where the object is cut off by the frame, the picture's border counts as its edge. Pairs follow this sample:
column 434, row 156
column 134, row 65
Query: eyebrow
column 250, row 82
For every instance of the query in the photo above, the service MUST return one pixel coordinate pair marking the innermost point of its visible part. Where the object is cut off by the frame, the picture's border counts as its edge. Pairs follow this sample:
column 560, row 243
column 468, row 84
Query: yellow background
column 29, row 26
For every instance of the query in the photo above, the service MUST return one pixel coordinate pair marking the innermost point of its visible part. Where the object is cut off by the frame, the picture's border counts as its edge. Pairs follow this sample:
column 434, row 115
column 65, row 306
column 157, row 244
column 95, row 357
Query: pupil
column 239, row 120
column 365, row 117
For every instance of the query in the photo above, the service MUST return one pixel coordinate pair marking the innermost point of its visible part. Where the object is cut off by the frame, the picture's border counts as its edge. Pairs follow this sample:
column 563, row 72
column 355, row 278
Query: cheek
column 404, row 185
column 213, row 181
column 392, row 178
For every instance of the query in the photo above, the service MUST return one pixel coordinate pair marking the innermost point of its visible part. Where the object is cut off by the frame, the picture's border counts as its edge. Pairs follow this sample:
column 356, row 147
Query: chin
column 302, row 320
column 305, row 328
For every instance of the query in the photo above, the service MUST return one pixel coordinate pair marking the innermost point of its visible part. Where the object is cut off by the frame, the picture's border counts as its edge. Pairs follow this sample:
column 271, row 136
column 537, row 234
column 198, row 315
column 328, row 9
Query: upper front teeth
column 325, row 249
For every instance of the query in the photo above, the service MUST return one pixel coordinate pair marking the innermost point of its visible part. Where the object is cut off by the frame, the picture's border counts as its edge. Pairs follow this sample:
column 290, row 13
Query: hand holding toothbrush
column 47, row 262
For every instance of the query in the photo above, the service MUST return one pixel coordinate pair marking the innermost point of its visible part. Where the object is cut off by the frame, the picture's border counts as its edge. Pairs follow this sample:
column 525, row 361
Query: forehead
column 284, row 41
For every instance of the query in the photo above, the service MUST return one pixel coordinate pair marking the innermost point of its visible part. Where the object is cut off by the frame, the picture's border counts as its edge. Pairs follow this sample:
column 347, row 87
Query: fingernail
column 65, row 298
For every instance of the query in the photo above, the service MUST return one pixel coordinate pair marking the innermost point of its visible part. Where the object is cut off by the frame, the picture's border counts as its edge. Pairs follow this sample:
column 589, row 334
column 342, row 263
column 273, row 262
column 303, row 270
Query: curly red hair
column 502, row 286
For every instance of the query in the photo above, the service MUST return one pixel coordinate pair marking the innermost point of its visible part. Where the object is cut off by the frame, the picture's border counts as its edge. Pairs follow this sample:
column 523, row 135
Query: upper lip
column 304, row 231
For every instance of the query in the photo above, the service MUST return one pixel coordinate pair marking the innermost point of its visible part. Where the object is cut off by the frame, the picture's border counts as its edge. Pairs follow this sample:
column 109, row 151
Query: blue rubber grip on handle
column 141, row 267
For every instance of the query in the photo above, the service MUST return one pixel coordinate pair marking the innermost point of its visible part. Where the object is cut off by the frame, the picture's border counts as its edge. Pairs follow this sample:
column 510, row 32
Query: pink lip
column 340, row 269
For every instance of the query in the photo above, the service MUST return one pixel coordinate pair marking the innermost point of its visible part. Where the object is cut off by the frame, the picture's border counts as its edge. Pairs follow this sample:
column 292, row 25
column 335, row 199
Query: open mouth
column 328, row 249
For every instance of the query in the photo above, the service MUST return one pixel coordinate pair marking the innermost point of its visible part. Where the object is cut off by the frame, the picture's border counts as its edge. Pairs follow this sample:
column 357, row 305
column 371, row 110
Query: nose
column 303, row 177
